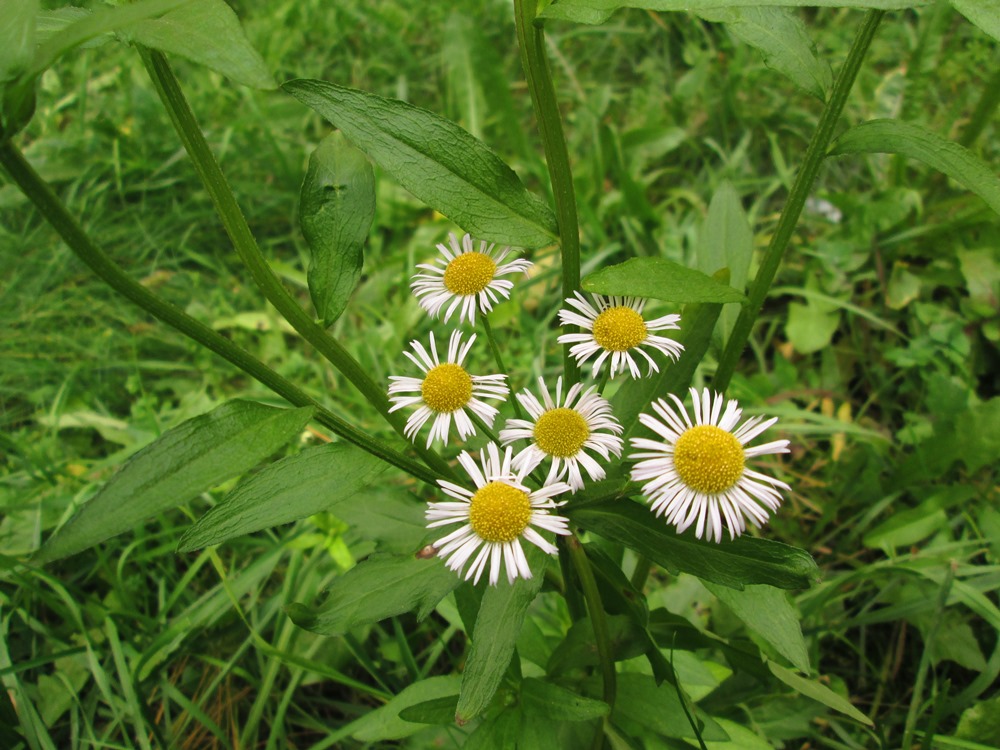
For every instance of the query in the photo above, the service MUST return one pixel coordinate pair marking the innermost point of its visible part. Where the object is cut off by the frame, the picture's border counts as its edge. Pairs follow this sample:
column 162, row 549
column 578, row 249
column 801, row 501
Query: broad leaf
column 767, row 612
column 726, row 242
column 659, row 278
column 336, row 209
column 736, row 563
column 658, row 708
column 384, row 723
column 209, row 33
column 780, row 36
column 498, row 624
column 315, row 480
column 184, row 462
column 915, row 141
column 379, row 587
column 983, row 13
column 541, row 698
column 437, row 161
column 818, row 692
column 598, row 11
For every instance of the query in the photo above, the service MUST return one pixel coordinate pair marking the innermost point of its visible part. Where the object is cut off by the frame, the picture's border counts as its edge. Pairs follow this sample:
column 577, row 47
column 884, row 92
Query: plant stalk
column 531, row 39
column 815, row 153
column 170, row 93
column 53, row 210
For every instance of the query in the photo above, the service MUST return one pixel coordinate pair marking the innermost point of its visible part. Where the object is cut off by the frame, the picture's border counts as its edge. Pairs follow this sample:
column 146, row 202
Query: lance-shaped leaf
column 379, row 587
column 315, row 480
column 659, row 278
column 336, row 209
column 915, row 141
column 437, row 161
column 184, row 462
column 818, row 692
column 983, row 13
column 726, row 242
column 736, row 563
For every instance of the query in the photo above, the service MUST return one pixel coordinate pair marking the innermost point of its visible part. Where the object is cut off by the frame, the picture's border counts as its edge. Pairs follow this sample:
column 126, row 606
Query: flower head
column 699, row 473
column 445, row 391
column 564, row 430
column 464, row 277
column 615, row 328
column 495, row 517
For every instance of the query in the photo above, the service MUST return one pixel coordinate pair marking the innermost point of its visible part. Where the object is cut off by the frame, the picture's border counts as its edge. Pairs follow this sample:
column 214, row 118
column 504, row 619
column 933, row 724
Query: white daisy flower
column 564, row 430
column 464, row 276
column 699, row 473
column 445, row 391
column 495, row 518
column 615, row 327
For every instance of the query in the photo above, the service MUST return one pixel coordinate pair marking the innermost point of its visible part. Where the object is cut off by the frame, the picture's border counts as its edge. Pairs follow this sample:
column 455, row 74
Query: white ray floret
column 615, row 330
column 697, row 473
column 445, row 391
column 464, row 278
column 565, row 431
column 495, row 518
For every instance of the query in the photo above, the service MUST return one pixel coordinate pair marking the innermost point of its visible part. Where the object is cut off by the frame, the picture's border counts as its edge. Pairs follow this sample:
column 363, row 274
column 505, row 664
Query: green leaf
column 659, row 278
column 726, row 242
column 737, row 563
column 626, row 640
column 972, row 437
column 208, row 33
column 97, row 23
column 315, row 480
column 912, row 525
column 656, row 708
column 184, row 462
column 766, row 611
column 437, row 161
column 385, row 723
column 541, row 698
column 435, row 711
column 818, row 692
column 379, row 587
column 336, row 209
column 598, row 11
column 499, row 732
column 811, row 326
column 983, row 13
column 497, row 626
column 17, row 45
column 915, row 141
column 981, row 722
column 780, row 36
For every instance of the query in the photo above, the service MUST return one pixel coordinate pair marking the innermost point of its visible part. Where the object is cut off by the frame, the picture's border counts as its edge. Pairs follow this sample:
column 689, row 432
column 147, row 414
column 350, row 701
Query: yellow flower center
column 619, row 329
column 469, row 273
column 708, row 459
column 561, row 432
column 446, row 388
column 499, row 512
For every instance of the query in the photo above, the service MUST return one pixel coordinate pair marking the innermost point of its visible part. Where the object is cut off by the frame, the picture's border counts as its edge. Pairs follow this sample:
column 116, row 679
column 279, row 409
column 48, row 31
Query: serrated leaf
column 556, row 703
column 781, row 37
column 498, row 624
column 767, row 612
column 376, row 588
column 384, row 723
column 184, row 462
column 736, row 563
column 917, row 142
column 315, row 480
column 207, row 32
column 659, row 278
column 983, row 13
column 818, row 692
column 437, row 161
column 336, row 208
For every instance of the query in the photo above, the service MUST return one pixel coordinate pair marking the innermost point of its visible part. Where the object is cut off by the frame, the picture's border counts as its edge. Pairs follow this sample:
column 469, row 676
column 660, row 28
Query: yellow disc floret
column 708, row 459
column 618, row 329
column 469, row 273
column 499, row 512
column 446, row 388
column 561, row 432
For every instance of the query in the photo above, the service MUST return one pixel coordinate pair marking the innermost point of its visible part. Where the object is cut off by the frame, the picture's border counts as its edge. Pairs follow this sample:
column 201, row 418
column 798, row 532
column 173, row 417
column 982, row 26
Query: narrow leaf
column 437, row 161
column 766, row 611
column 379, row 587
column 315, row 480
column 736, row 563
column 337, row 206
column 659, row 278
column 983, row 13
column 818, row 692
column 434, row 711
column 497, row 626
column 915, row 141
column 207, row 32
column 726, row 242
column 184, row 462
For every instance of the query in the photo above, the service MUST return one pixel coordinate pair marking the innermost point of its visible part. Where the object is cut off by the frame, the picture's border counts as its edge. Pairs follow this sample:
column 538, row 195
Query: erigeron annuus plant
column 612, row 475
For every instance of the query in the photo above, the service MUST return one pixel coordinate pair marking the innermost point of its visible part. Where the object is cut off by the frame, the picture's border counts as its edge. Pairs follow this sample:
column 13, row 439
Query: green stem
column 53, row 210
column 573, row 601
column 641, row 572
column 602, row 635
column 531, row 39
column 604, row 379
column 984, row 110
column 243, row 240
column 499, row 360
column 815, row 154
